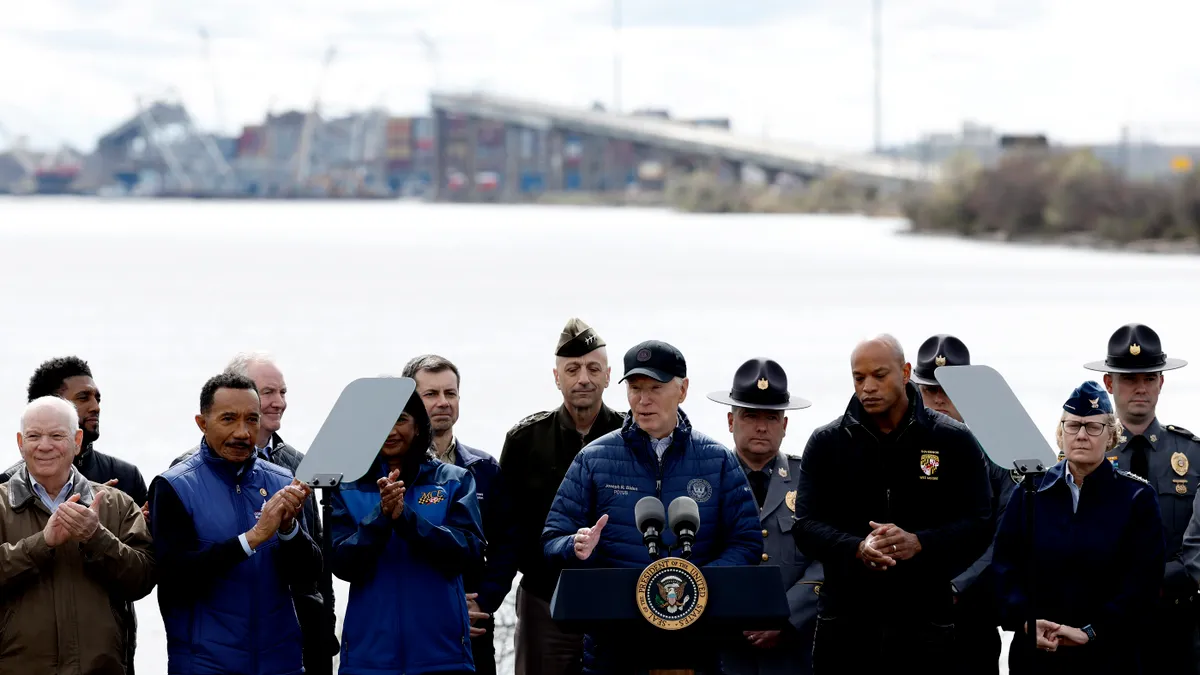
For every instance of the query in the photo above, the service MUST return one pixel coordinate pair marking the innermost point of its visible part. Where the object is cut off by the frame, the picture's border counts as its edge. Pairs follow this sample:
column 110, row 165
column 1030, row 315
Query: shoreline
column 1079, row 240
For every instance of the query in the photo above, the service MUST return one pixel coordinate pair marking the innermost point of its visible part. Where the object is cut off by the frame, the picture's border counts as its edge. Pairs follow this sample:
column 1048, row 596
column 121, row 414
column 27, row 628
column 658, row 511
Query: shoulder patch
column 532, row 419
column 1133, row 476
column 1183, row 432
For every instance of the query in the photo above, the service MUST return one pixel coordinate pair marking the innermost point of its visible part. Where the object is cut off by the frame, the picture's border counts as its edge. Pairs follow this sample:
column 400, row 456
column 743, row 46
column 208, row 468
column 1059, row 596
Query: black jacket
column 928, row 477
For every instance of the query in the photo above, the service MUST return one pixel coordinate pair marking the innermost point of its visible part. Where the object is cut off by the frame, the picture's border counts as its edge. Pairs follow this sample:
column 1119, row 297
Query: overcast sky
column 799, row 69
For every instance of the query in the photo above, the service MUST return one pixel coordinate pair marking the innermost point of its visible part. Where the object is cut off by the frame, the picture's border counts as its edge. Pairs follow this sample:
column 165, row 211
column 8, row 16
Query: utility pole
column 877, row 11
column 616, row 56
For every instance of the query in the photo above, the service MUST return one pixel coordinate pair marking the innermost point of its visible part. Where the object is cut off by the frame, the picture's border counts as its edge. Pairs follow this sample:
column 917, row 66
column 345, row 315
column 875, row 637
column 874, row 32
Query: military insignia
column 1134, row 476
column 1095, row 402
column 1062, row 456
column 940, row 360
column 1153, row 438
column 1180, row 487
column 929, row 464
column 1179, row 462
column 1123, row 439
column 763, row 384
column 783, row 473
column 262, row 491
column 790, row 500
column 1135, row 349
column 434, row 496
column 1115, row 460
column 699, row 489
column 671, row 593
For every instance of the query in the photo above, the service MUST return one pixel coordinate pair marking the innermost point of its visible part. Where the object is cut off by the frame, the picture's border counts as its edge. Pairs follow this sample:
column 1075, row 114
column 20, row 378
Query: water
column 158, row 295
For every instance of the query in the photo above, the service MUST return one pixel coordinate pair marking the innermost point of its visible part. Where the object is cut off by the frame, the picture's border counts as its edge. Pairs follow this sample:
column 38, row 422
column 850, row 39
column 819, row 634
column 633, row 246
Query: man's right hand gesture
column 587, row 538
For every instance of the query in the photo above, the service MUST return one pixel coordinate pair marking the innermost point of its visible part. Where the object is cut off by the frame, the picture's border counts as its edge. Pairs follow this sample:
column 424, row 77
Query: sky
column 791, row 69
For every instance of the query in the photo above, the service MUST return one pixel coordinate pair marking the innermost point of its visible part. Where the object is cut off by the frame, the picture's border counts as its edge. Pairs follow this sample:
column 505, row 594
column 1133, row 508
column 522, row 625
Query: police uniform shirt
column 1173, row 465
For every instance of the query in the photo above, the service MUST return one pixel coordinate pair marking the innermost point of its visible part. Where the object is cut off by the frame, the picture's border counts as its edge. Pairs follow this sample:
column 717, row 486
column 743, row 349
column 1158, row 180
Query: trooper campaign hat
column 760, row 384
column 1135, row 348
column 656, row 359
column 939, row 350
column 577, row 339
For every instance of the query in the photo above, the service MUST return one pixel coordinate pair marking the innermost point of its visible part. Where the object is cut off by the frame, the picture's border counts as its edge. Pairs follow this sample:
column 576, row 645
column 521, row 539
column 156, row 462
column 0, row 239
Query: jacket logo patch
column 929, row 464
column 434, row 496
column 699, row 489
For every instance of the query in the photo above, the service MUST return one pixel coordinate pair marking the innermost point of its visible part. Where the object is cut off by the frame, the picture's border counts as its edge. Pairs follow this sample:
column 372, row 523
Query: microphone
column 684, row 517
column 648, row 512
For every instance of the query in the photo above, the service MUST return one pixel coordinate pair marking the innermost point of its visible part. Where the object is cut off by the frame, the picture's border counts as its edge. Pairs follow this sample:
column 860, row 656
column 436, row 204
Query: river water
column 157, row 295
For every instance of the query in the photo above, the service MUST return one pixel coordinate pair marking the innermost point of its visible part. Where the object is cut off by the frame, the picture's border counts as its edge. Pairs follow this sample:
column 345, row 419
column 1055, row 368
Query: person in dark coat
column 489, row 582
column 976, row 616
column 70, row 377
column 1098, row 554
column 318, row 623
column 894, row 500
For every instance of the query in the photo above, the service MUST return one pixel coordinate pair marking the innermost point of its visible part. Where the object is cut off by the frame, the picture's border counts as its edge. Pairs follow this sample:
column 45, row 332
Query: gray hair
column 55, row 403
column 240, row 364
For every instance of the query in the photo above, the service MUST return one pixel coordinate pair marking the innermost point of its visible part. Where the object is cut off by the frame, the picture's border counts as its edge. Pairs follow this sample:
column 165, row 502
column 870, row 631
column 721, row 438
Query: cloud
column 800, row 70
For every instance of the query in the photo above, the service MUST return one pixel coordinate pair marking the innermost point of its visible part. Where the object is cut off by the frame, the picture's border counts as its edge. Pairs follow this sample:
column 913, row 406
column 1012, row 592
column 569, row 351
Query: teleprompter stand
column 346, row 446
column 1009, row 437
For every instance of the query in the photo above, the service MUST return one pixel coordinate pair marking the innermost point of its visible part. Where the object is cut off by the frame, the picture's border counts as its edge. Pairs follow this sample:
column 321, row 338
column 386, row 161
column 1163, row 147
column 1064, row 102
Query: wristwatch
column 1090, row 632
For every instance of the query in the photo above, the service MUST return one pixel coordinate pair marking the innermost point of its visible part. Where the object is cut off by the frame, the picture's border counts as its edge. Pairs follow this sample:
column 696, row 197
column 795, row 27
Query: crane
column 304, row 150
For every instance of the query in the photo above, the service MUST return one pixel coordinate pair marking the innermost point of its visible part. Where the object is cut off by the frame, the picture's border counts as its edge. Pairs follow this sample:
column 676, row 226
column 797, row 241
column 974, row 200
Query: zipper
column 241, row 511
column 658, row 482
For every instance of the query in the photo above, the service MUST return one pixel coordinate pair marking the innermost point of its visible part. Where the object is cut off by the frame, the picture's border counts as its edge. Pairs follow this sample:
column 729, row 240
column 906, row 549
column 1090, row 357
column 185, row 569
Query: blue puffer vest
column 247, row 624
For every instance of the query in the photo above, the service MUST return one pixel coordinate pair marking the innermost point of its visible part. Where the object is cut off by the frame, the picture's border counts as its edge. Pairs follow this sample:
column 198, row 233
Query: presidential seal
column 672, row 593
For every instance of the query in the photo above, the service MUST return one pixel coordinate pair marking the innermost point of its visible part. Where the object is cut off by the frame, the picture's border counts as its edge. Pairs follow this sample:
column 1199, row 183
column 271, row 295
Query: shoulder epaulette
column 1183, row 432
column 532, row 419
column 1134, row 476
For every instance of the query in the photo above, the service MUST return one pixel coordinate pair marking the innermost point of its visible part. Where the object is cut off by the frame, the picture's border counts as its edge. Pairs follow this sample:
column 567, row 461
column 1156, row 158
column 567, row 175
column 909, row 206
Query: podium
column 671, row 616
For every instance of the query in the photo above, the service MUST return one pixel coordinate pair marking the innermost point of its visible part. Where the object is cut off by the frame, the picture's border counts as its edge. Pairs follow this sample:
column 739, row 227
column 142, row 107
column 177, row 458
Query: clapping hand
column 78, row 521
column 391, row 494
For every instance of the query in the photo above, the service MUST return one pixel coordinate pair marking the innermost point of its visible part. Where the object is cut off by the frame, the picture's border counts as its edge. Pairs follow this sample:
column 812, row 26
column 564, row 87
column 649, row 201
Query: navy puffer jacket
column 614, row 471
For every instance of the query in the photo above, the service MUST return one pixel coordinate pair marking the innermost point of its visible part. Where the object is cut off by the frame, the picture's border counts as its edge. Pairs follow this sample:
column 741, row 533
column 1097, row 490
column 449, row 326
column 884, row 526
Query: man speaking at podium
column 894, row 500
column 655, row 453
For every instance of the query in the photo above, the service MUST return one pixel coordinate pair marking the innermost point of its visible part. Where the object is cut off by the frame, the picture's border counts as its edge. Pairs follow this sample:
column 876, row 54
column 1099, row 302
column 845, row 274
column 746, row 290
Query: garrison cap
column 577, row 339
column 1088, row 399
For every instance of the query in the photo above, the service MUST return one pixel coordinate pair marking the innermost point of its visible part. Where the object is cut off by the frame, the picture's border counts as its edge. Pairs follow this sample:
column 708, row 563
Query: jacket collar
column 636, row 438
column 1058, row 474
column 464, row 455
column 231, row 472
column 20, row 490
column 567, row 423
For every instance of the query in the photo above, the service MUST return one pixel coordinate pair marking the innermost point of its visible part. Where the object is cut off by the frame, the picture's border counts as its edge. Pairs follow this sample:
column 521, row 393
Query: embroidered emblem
column 643, row 355
column 699, row 489
column 929, row 464
column 434, row 496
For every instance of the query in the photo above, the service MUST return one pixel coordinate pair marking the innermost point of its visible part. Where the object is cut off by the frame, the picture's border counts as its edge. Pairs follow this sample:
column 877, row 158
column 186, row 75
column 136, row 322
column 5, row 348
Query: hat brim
column 917, row 379
column 654, row 373
column 1102, row 367
column 795, row 403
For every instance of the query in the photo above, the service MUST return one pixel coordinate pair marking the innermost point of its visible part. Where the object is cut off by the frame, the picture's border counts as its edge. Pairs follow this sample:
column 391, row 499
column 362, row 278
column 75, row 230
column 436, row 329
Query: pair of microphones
column 683, row 517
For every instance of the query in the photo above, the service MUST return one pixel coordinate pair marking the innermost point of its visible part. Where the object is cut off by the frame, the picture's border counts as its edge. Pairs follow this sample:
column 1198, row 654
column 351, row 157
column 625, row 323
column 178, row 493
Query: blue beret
column 1088, row 399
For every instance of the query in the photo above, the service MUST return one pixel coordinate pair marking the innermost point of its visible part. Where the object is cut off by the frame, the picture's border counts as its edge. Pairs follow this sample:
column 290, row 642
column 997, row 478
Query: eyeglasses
column 1093, row 428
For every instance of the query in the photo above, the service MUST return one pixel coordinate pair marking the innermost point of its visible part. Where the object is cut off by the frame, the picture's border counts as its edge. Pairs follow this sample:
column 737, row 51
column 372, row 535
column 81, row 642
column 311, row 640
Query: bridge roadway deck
column 767, row 154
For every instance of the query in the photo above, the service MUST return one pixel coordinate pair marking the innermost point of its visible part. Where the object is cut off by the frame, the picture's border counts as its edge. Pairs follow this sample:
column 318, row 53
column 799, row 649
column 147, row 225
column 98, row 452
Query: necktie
column 1139, row 465
column 758, row 483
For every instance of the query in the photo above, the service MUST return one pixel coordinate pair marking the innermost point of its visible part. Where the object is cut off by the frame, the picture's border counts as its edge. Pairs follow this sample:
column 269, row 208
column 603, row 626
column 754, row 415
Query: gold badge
column 671, row 593
column 940, row 360
column 763, row 384
column 790, row 500
column 1135, row 349
column 1153, row 438
column 1181, row 488
column 1179, row 462
column 262, row 491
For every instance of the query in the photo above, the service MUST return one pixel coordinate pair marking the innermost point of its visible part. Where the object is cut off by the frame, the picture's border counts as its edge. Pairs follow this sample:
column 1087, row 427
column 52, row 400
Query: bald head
column 880, row 376
column 883, row 346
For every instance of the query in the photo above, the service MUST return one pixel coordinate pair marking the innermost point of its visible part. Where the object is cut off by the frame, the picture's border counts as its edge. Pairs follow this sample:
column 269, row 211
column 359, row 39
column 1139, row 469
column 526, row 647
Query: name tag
column 621, row 489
